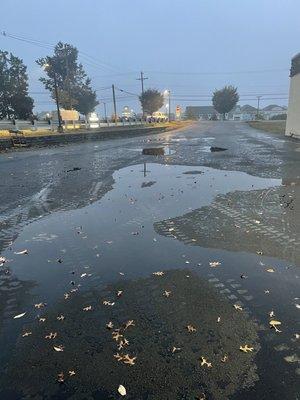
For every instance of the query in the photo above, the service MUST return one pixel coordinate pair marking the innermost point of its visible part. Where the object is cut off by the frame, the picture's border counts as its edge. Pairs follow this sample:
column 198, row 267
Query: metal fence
column 19, row 125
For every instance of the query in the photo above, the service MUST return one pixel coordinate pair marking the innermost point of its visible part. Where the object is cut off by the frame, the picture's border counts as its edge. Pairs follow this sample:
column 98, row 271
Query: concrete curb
column 65, row 138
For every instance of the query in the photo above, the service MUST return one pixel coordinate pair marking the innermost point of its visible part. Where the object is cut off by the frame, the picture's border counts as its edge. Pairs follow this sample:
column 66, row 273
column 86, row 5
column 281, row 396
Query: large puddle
column 88, row 255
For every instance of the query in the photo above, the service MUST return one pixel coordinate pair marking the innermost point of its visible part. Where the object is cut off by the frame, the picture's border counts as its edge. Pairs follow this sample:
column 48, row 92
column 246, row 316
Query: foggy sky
column 188, row 46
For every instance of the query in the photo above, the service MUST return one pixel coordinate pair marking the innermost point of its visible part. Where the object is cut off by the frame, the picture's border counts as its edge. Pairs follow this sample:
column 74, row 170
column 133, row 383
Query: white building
column 293, row 116
column 273, row 111
column 243, row 113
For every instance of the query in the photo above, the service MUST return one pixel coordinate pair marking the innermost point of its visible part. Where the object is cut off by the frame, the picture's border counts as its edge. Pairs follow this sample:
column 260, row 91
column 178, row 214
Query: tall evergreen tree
column 74, row 87
column 14, row 99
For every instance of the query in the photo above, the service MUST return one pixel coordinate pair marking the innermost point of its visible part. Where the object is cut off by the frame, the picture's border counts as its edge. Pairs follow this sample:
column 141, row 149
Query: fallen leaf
column 19, row 315
column 238, row 307
column 123, row 343
column 22, row 252
column 51, row 335
column 108, row 303
column 224, row 359
column 25, row 334
column 246, row 348
column 40, row 305
column 205, row 362
column 129, row 360
column 61, row 377
column 110, row 325
column 58, row 348
column 270, row 270
column 176, row 349
column 2, row 261
column 191, row 328
column 116, row 335
column 129, row 323
column 118, row 357
column 158, row 273
column 202, row 396
column 122, row 390
column 214, row 264
column 273, row 324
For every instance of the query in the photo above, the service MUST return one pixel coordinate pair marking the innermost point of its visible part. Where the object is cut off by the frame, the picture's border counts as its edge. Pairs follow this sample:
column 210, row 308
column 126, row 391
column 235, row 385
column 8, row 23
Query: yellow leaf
column 122, row 390
column 19, row 315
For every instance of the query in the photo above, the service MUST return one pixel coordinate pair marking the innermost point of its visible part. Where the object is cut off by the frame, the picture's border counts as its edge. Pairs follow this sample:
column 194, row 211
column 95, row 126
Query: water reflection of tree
column 160, row 324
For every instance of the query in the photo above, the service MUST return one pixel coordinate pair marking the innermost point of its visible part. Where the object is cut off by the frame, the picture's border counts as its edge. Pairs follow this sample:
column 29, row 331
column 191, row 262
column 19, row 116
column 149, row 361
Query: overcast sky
column 188, row 46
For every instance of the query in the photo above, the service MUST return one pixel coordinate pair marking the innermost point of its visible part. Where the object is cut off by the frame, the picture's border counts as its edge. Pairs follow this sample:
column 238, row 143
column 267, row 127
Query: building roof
column 201, row 109
column 248, row 109
column 274, row 107
column 243, row 109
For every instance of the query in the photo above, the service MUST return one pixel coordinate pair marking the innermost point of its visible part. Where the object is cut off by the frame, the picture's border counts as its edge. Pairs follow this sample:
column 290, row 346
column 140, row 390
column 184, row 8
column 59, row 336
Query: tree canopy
column 14, row 99
column 74, row 86
column 224, row 100
column 151, row 100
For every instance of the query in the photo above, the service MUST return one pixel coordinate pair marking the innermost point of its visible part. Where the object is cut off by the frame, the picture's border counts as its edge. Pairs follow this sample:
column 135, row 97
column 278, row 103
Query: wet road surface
column 200, row 249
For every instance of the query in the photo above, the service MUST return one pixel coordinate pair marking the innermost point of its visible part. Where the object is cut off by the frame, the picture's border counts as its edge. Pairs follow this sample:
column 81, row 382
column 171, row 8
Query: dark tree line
column 74, row 86
column 14, row 99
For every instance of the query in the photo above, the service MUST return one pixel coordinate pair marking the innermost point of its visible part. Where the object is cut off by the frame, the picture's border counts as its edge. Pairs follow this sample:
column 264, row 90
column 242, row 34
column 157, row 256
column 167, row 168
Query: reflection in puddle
column 158, row 151
column 140, row 338
column 214, row 149
column 87, row 248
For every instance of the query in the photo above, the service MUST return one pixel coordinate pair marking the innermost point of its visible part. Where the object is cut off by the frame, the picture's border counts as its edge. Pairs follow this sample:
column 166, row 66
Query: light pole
column 167, row 100
column 60, row 127
column 115, row 105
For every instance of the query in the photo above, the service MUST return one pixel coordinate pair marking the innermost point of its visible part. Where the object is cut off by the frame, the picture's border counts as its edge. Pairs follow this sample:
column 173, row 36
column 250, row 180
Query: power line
column 125, row 91
column 219, row 73
column 90, row 60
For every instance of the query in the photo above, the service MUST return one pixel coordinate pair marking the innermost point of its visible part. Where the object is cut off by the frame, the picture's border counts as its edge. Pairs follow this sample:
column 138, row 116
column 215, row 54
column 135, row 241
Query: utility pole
column 142, row 79
column 105, row 113
column 115, row 106
column 169, row 105
column 68, row 78
column 258, row 103
column 60, row 128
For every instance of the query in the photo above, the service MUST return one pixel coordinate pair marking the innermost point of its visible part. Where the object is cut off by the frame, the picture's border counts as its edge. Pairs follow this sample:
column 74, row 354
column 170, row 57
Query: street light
column 167, row 97
column 60, row 127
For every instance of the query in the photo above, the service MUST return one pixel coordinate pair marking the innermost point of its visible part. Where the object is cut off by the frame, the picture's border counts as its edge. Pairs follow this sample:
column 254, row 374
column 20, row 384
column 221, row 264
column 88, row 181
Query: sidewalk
column 44, row 137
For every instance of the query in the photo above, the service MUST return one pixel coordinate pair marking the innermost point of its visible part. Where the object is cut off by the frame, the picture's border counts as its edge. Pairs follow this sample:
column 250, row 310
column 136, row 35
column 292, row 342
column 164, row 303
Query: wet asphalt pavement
column 200, row 249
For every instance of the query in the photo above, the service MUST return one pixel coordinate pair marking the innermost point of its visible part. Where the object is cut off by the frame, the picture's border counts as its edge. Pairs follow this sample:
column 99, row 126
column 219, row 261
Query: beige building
column 293, row 115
